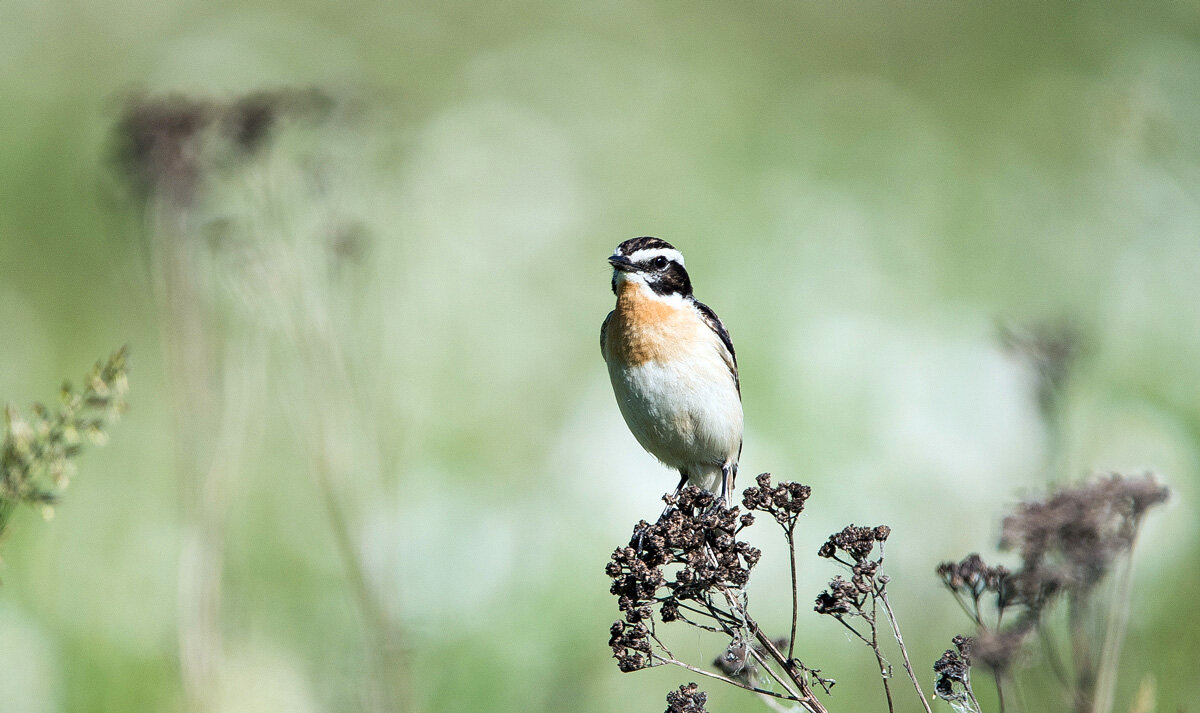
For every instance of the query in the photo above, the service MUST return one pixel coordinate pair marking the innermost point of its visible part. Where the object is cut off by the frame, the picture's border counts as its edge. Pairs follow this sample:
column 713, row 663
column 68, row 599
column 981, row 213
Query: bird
column 673, row 367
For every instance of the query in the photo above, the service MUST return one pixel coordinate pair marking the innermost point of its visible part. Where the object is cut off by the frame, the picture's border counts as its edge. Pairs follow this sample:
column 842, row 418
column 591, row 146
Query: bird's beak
column 622, row 263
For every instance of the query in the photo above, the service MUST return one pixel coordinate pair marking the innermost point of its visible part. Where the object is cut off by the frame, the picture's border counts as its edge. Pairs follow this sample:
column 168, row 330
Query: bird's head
column 651, row 262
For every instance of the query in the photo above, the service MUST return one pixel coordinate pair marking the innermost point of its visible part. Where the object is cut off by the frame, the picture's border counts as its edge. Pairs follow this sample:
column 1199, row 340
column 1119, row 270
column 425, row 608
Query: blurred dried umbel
column 162, row 145
column 1069, row 540
column 36, row 459
column 1068, row 543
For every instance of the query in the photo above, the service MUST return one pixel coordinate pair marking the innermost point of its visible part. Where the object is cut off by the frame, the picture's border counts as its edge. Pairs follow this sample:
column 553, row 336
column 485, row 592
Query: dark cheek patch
column 672, row 281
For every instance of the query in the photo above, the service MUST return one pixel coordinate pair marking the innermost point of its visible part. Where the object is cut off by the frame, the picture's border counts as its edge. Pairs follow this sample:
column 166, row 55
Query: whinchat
column 672, row 367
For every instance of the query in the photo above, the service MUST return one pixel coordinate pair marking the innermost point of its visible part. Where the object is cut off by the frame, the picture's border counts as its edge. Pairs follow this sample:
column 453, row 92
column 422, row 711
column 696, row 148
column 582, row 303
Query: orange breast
column 645, row 329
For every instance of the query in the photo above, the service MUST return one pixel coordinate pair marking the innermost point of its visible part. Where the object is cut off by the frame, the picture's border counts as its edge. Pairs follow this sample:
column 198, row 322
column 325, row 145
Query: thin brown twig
column 903, row 649
column 1114, row 635
column 810, row 700
column 719, row 677
column 805, row 696
column 885, row 668
column 791, row 540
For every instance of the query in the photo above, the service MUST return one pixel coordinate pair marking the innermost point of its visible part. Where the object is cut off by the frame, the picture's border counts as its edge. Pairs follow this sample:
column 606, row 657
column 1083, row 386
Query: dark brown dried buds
column 784, row 502
column 630, row 645
column 953, row 671
column 688, row 699
column 972, row 576
column 691, row 554
column 858, row 542
column 840, row 598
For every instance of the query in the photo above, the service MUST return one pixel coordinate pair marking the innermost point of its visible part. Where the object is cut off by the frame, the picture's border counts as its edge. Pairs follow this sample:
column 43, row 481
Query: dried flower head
column 688, row 699
column 696, row 541
column 841, row 598
column 163, row 144
column 784, row 502
column 972, row 576
column 250, row 119
column 953, row 671
column 1069, row 540
column 155, row 144
column 855, row 541
column 998, row 650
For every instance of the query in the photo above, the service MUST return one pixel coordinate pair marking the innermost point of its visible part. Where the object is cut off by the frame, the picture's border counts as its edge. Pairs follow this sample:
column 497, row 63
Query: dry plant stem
column 884, row 668
column 903, row 649
column 802, row 693
column 330, row 378
column 187, row 345
column 971, row 695
column 1114, row 635
column 791, row 540
column 775, row 705
column 1053, row 655
column 1078, row 608
column 390, row 661
column 808, row 698
column 719, row 677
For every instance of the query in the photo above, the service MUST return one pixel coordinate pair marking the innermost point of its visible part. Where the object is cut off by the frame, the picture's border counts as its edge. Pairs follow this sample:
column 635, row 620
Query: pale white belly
column 689, row 417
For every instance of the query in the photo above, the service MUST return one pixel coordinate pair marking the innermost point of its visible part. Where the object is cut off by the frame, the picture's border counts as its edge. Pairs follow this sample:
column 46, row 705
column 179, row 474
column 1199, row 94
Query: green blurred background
column 863, row 192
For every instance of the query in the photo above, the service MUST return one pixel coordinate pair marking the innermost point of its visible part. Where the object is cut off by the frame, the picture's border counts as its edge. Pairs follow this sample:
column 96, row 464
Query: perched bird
column 672, row 367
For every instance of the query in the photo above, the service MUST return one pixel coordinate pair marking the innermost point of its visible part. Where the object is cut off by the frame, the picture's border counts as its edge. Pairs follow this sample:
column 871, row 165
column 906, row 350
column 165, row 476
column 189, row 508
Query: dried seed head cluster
column 855, row 541
column 972, row 576
column 1068, row 541
column 784, row 502
column 688, row 699
column 37, row 452
column 953, row 671
column 697, row 539
column 840, row 598
column 159, row 141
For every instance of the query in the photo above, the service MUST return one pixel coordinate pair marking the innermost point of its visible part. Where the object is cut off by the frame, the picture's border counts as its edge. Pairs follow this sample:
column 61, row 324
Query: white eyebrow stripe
column 648, row 254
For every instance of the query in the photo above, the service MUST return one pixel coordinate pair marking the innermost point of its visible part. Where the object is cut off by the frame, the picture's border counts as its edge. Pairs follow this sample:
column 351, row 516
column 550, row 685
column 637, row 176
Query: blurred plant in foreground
column 1068, row 543
column 36, row 463
column 249, row 255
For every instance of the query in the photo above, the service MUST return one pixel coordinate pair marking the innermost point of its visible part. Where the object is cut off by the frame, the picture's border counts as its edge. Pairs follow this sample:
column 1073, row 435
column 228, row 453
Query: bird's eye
column 660, row 262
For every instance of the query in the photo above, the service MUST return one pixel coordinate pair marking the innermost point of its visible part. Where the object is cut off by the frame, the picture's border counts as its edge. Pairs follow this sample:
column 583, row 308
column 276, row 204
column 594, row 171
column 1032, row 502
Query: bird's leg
column 683, row 479
column 728, row 473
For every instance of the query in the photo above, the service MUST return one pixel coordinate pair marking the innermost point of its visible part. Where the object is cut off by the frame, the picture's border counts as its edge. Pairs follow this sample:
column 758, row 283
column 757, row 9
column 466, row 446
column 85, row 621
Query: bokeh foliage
column 862, row 192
